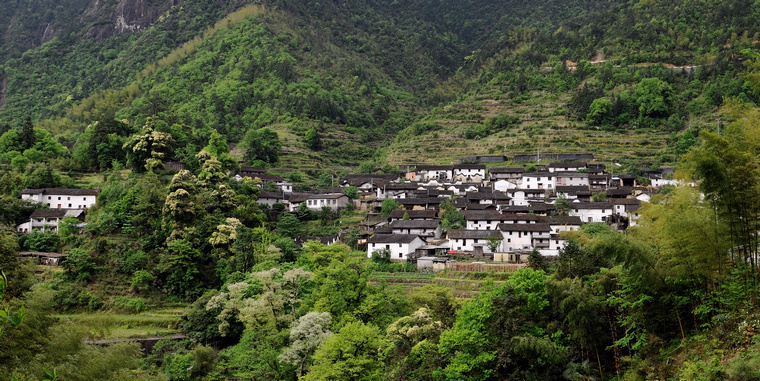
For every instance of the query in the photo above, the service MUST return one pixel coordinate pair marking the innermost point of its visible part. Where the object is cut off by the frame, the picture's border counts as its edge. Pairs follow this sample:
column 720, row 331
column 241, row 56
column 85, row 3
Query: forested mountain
column 360, row 72
column 157, row 103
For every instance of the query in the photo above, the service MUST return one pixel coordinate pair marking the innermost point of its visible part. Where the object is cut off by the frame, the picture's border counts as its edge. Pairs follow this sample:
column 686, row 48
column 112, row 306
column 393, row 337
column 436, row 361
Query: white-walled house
column 48, row 219
column 521, row 236
column 469, row 240
column 469, row 173
column 538, row 180
column 566, row 166
column 592, row 211
column 400, row 246
column 570, row 179
column 62, row 198
column 427, row 173
column 333, row 200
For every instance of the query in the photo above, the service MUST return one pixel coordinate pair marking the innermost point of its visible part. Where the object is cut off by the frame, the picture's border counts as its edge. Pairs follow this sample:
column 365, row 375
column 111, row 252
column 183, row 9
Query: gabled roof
column 297, row 198
column 506, row 170
column 470, row 166
column 562, row 220
column 474, row 206
column 399, row 214
column 536, row 228
column 393, row 238
column 539, row 174
column 328, row 196
column 414, row 224
column 574, row 190
column 571, row 174
column 421, row 168
column 420, row 201
column 622, row 191
column 474, row 234
column 56, row 213
column 62, row 191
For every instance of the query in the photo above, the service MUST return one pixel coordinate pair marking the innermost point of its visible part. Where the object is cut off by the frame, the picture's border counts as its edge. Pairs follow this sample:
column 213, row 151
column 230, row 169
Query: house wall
column 399, row 251
column 435, row 233
column 570, row 180
column 55, row 201
column 469, row 244
column 591, row 215
column 515, row 240
column 540, row 182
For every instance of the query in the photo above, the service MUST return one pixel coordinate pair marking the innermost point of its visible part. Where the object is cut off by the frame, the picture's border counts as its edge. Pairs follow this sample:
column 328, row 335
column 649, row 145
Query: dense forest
column 105, row 94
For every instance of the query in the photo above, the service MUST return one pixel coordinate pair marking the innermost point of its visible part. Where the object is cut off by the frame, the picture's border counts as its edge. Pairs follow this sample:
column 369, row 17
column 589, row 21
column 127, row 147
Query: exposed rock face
column 128, row 16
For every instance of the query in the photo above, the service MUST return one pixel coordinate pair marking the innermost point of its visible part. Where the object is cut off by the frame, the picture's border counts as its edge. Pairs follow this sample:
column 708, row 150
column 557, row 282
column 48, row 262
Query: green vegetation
column 312, row 90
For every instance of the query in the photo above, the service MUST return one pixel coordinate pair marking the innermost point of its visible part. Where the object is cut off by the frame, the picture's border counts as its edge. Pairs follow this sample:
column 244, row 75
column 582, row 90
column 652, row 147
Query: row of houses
column 508, row 212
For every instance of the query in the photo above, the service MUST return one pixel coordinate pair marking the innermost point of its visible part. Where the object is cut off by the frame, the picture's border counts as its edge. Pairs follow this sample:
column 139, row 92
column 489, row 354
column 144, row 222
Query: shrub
column 131, row 304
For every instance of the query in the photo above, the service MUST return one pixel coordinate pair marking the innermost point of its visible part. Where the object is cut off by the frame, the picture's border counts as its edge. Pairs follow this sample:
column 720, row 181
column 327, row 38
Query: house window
column 476, row 241
column 85, row 199
column 59, row 206
column 68, row 198
column 69, row 205
column 50, row 198
column 59, row 198
column 400, row 255
column 399, row 245
column 387, row 247
column 509, row 240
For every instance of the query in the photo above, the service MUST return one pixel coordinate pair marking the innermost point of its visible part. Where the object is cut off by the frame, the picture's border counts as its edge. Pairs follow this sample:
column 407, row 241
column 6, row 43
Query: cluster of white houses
column 508, row 212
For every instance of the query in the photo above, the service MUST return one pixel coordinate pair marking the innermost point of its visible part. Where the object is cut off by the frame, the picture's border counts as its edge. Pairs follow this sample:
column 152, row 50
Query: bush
column 131, row 304
column 141, row 279
column 40, row 241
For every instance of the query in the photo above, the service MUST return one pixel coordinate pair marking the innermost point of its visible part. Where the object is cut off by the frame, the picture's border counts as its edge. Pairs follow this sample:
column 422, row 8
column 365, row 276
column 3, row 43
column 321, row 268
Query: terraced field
column 465, row 285
column 120, row 326
column 440, row 137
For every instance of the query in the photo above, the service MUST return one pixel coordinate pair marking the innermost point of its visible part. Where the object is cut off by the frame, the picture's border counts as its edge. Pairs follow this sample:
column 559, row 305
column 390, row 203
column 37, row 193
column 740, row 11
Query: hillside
column 358, row 73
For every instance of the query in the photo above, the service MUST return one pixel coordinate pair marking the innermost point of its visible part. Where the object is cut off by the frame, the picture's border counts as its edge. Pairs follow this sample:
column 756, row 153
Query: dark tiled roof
column 474, row 234
column 474, row 206
column 414, row 224
column 62, row 191
column 539, row 174
column 56, row 213
column 525, row 228
column 413, row 214
column 470, row 166
column 562, row 220
column 392, row 238
column 328, row 196
column 435, row 168
column 506, row 170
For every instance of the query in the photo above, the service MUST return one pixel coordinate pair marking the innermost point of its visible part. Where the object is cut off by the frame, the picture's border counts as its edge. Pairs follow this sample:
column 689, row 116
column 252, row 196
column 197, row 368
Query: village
column 506, row 212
